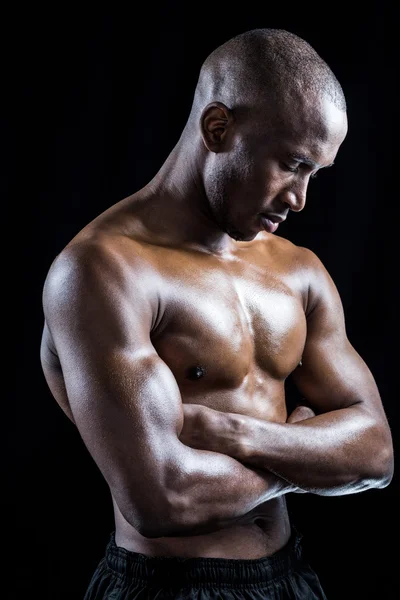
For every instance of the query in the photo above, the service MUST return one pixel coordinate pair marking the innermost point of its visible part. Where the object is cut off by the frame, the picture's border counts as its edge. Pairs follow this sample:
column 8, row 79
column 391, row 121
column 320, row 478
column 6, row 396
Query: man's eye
column 291, row 169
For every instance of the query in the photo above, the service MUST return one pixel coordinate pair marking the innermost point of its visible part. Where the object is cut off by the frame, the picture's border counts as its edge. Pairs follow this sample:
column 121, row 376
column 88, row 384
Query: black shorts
column 125, row 575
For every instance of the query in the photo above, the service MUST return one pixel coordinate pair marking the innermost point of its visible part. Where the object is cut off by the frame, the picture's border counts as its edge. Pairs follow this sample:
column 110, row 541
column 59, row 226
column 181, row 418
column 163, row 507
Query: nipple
column 195, row 372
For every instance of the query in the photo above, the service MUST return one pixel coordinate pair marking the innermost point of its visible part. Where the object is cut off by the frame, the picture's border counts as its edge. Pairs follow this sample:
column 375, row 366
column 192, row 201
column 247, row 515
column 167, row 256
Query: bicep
column 127, row 408
column 333, row 375
column 124, row 399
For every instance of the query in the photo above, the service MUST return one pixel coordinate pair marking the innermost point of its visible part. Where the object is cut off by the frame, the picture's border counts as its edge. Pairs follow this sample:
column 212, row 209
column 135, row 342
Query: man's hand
column 208, row 429
column 227, row 433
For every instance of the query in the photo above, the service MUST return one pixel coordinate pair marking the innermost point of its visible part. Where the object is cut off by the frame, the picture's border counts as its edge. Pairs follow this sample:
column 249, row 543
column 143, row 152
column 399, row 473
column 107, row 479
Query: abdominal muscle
column 261, row 536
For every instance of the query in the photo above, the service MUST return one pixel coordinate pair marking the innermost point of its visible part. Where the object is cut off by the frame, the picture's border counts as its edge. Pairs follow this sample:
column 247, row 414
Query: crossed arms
column 168, row 475
column 346, row 447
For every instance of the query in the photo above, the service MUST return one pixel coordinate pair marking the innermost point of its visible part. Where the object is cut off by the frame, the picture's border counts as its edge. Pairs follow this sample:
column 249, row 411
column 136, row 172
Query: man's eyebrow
column 302, row 158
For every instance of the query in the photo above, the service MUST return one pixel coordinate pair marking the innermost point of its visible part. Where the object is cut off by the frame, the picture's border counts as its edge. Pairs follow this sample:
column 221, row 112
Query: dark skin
column 172, row 322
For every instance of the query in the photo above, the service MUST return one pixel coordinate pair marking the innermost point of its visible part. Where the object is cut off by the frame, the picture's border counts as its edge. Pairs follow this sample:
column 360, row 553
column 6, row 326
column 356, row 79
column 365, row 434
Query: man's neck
column 174, row 206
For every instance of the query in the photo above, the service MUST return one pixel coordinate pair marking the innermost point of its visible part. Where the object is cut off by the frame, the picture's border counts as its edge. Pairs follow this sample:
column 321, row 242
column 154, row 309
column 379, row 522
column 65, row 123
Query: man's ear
column 216, row 123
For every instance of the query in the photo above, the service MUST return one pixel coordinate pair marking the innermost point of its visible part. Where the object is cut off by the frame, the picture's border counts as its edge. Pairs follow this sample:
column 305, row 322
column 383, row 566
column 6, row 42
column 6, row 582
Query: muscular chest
column 225, row 322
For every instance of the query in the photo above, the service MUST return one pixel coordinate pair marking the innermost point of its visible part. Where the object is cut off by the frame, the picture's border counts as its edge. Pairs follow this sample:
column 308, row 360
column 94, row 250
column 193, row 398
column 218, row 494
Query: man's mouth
column 268, row 224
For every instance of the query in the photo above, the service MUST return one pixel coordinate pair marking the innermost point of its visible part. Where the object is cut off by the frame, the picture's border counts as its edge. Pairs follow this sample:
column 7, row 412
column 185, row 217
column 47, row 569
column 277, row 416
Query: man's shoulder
column 299, row 257
column 316, row 280
column 93, row 263
column 96, row 249
column 304, row 265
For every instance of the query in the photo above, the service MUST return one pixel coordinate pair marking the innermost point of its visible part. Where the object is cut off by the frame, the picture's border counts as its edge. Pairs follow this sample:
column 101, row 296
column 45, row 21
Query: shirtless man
column 172, row 321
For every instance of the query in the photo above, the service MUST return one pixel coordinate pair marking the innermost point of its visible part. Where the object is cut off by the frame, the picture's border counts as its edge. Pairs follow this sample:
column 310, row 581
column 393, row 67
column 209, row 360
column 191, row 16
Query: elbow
column 166, row 510
column 381, row 463
column 178, row 517
column 154, row 522
column 163, row 518
column 155, row 525
column 149, row 512
column 164, row 525
column 385, row 467
column 153, row 530
column 162, row 506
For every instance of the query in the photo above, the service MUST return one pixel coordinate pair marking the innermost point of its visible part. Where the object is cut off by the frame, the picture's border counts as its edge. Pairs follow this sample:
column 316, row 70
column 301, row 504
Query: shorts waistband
column 199, row 570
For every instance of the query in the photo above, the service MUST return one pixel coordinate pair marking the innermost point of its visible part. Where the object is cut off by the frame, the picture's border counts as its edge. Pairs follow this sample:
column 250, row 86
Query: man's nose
column 295, row 197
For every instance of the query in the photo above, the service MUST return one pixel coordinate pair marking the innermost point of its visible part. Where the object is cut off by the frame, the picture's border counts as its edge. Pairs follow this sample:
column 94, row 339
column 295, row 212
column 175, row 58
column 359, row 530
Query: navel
column 196, row 372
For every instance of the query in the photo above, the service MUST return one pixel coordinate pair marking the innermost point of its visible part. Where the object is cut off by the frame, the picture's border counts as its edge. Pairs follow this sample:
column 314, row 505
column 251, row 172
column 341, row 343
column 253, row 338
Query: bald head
column 265, row 68
column 267, row 114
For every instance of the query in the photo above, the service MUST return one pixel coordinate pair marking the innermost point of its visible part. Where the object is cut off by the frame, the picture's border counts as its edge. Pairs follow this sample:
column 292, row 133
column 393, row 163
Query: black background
column 94, row 103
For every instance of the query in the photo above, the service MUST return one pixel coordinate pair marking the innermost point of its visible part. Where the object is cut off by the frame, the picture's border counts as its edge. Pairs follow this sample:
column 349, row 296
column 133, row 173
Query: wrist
column 242, row 433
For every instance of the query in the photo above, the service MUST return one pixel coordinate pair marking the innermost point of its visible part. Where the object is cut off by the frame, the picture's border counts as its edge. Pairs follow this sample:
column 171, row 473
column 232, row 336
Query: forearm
column 213, row 491
column 335, row 453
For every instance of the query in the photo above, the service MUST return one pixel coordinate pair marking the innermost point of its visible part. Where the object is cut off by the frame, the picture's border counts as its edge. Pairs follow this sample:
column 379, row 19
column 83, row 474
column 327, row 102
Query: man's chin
column 240, row 236
column 247, row 238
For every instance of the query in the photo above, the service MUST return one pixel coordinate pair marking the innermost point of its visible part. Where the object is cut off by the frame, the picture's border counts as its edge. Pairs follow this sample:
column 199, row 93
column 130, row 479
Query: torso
column 231, row 329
